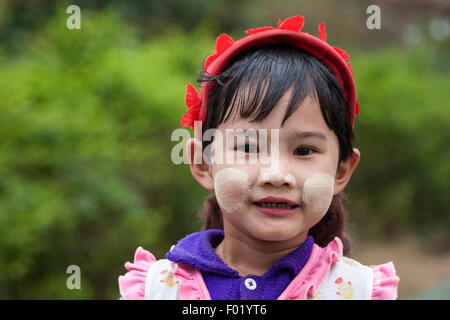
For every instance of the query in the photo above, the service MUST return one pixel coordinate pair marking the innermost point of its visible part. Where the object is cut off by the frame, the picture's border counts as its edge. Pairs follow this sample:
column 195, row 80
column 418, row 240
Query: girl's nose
column 277, row 179
column 277, row 173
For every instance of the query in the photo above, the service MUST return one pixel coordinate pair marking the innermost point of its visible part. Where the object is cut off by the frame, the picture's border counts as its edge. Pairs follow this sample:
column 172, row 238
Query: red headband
column 287, row 32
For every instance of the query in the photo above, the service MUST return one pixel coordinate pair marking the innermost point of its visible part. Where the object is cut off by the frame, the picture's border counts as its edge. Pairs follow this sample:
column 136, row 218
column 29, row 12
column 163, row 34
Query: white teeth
column 282, row 205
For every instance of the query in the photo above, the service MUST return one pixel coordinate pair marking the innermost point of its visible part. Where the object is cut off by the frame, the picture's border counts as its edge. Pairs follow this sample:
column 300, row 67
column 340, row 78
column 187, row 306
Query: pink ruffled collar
column 307, row 282
column 304, row 285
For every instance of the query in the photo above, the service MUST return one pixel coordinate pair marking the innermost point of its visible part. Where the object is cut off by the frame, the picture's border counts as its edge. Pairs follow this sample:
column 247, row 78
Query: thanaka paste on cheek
column 318, row 193
column 231, row 187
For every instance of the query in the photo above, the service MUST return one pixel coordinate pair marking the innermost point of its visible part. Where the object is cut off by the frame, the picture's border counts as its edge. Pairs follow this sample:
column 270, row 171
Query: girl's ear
column 345, row 170
column 199, row 168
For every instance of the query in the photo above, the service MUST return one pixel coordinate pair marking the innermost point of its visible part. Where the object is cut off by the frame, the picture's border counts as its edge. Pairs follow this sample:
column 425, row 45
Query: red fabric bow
column 223, row 42
column 342, row 53
column 292, row 23
column 193, row 101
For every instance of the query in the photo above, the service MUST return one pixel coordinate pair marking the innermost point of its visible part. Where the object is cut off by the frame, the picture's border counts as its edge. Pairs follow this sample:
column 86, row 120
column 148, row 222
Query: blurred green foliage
column 85, row 162
column 401, row 184
column 85, row 168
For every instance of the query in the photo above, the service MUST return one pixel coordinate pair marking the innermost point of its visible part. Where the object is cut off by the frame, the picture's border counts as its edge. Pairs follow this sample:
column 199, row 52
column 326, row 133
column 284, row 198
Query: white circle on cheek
column 231, row 187
column 318, row 193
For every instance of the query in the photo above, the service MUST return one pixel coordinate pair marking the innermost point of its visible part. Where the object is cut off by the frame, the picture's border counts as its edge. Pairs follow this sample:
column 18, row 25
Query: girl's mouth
column 275, row 206
column 283, row 205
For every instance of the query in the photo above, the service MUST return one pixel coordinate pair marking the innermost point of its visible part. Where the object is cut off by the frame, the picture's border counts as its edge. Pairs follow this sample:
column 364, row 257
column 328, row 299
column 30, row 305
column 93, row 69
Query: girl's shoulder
column 330, row 275
column 350, row 280
column 151, row 279
column 132, row 284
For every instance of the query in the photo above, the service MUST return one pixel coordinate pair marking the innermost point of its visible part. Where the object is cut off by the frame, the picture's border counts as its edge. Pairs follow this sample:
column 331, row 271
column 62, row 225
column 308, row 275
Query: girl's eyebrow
column 307, row 134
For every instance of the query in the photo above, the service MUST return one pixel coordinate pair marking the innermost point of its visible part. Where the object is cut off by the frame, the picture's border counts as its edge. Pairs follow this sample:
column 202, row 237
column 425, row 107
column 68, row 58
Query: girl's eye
column 248, row 148
column 303, row 151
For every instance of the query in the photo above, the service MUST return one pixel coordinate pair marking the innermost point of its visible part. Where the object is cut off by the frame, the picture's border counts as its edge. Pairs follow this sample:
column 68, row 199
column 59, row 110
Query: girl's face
column 302, row 174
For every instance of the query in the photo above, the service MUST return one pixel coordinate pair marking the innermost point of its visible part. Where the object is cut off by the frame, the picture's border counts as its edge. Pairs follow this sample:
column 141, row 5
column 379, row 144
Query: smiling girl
column 274, row 227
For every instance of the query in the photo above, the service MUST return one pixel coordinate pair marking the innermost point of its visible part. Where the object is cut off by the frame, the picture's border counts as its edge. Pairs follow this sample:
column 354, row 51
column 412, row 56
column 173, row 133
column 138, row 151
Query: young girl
column 274, row 227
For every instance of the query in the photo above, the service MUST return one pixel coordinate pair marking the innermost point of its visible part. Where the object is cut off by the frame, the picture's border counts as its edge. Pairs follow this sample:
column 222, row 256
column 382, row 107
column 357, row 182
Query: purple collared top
column 225, row 283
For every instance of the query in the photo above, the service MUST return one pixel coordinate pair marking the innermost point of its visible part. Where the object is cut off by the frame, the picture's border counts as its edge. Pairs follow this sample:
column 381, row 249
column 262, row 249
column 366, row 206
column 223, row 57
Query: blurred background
column 86, row 118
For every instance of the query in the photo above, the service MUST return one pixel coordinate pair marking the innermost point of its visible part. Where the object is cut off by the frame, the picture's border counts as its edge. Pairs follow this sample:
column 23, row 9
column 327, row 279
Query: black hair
column 269, row 72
